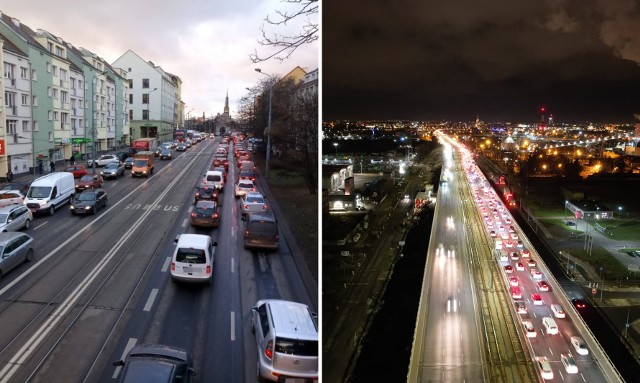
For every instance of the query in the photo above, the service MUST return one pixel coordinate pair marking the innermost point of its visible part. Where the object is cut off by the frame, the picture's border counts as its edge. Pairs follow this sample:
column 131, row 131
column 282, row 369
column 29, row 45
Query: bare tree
column 286, row 45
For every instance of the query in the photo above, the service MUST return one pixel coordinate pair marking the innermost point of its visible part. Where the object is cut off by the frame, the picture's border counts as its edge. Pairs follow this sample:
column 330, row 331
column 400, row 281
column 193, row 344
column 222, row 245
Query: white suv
column 287, row 340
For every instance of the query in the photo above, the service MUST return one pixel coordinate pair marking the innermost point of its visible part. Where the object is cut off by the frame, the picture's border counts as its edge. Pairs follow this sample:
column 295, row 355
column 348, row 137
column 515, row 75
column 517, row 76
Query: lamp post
column 335, row 145
column 148, row 116
column 268, row 130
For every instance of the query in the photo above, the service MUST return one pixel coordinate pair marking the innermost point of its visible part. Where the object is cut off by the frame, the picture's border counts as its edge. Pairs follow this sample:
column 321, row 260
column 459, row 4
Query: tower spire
column 226, row 103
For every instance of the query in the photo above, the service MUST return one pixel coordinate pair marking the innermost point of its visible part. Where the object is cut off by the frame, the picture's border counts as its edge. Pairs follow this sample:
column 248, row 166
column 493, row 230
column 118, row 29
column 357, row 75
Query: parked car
column 252, row 202
column 156, row 363
column 22, row 187
column 113, row 169
column 243, row 187
column 11, row 197
column 15, row 249
column 77, row 170
column 89, row 201
column 205, row 214
column 15, row 217
column 89, row 181
column 103, row 160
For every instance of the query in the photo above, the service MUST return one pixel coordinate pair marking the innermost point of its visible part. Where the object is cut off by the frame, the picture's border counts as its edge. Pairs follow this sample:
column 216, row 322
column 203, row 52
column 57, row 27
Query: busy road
column 100, row 284
column 529, row 313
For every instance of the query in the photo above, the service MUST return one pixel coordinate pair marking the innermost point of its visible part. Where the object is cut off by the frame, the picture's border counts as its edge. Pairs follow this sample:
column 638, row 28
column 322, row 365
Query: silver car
column 252, row 202
column 15, row 217
column 15, row 249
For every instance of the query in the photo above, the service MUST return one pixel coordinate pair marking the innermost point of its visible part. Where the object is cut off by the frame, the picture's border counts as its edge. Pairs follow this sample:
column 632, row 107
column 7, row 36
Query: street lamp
column 148, row 117
column 335, row 145
column 268, row 129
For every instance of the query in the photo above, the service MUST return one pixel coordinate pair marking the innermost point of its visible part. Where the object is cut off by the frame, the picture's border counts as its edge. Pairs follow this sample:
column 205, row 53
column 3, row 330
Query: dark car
column 205, row 214
column 247, row 175
column 206, row 192
column 113, row 170
column 128, row 163
column 89, row 181
column 579, row 303
column 89, row 201
column 22, row 187
column 166, row 154
column 156, row 363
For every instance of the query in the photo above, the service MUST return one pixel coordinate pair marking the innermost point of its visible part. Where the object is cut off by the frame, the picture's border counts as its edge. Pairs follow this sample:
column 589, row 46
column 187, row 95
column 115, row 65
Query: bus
column 180, row 135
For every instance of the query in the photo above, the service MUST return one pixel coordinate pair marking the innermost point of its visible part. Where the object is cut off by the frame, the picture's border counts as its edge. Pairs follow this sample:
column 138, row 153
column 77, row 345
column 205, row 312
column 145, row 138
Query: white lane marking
column 233, row 326
column 150, row 300
column 232, row 268
column 63, row 308
column 184, row 223
column 130, row 344
column 166, row 264
column 233, row 232
column 39, row 226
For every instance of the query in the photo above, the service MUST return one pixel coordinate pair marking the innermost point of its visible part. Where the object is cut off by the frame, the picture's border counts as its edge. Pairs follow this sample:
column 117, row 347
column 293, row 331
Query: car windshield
column 86, row 178
column 264, row 227
column 205, row 209
column 214, row 178
column 140, row 163
column 245, row 185
column 39, row 192
column 111, row 165
column 254, row 199
column 87, row 197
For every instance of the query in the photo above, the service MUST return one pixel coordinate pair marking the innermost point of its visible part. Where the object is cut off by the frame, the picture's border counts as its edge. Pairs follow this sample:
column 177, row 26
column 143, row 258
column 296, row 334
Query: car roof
column 10, row 208
column 292, row 319
column 10, row 191
column 205, row 203
column 7, row 235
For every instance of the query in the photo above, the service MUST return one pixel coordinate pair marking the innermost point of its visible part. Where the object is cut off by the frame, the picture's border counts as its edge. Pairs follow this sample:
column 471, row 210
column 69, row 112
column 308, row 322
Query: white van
column 216, row 178
column 48, row 193
column 550, row 325
column 192, row 259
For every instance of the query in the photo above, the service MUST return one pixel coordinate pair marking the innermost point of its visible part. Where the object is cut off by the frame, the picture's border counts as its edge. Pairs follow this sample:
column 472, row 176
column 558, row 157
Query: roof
column 292, row 319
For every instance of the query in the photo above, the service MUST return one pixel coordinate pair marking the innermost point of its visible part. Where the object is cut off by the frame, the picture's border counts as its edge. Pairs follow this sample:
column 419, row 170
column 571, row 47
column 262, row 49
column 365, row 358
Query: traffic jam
column 532, row 297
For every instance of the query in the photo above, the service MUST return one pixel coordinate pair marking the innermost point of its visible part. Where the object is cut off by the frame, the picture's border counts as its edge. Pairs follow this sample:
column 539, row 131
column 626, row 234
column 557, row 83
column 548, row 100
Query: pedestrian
column 40, row 167
column 9, row 176
column 72, row 160
column 52, row 165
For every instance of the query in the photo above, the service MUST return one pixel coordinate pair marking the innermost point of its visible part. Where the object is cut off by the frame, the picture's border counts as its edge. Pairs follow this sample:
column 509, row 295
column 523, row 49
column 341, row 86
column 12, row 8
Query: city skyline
column 501, row 61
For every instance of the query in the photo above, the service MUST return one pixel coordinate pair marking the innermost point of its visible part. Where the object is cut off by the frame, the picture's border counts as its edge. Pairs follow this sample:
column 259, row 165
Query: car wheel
column 29, row 255
column 52, row 210
column 27, row 224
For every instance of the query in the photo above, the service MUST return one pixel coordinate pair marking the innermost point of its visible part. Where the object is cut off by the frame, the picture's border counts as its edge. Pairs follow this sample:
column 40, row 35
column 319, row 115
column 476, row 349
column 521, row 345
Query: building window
column 11, row 126
column 63, row 74
column 25, row 99
column 145, row 114
column 25, row 126
column 34, row 75
column 130, row 114
column 130, row 82
column 145, row 83
column 36, row 126
column 130, row 98
column 34, row 100
column 9, row 99
column 9, row 70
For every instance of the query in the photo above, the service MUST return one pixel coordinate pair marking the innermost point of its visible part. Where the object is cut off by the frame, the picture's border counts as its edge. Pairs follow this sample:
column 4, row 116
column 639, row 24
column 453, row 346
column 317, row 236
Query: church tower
column 226, row 104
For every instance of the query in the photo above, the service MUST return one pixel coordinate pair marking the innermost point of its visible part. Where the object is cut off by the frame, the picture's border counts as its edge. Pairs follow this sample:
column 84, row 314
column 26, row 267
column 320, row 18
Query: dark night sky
column 500, row 59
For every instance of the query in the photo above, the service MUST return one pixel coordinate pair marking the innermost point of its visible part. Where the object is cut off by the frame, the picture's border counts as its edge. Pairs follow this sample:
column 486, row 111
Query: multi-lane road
column 454, row 335
column 100, row 284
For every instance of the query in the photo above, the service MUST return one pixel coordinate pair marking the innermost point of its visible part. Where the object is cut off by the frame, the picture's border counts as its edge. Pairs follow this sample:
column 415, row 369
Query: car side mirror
column 118, row 363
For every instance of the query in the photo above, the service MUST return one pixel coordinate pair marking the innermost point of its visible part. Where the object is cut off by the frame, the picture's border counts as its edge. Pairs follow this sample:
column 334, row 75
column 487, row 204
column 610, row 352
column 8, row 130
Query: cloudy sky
column 206, row 43
column 500, row 59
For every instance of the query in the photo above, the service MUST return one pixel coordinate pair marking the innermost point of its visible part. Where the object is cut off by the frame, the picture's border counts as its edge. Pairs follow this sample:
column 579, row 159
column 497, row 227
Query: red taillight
column 245, row 206
column 197, row 195
column 268, row 351
column 193, row 214
column 246, row 234
column 208, row 269
column 173, row 266
column 215, row 216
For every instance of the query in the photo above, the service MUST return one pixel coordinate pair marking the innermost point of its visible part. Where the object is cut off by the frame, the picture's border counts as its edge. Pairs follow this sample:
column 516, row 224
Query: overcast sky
column 206, row 43
column 500, row 59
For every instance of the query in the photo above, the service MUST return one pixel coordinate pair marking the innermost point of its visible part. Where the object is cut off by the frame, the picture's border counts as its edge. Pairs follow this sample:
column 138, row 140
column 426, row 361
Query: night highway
column 98, row 285
column 449, row 343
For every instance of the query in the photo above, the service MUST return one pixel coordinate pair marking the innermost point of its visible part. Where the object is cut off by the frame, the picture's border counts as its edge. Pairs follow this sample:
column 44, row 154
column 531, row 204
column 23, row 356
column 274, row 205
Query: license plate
column 295, row 380
column 187, row 269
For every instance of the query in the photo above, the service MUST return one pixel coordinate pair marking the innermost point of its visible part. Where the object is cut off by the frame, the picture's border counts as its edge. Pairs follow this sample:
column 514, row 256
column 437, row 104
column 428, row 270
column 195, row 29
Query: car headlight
column 71, row 207
column 87, row 207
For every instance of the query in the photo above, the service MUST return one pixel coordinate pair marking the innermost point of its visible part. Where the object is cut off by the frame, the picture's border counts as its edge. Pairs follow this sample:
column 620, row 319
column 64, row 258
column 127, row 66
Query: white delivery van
column 49, row 192
column 215, row 178
column 193, row 258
